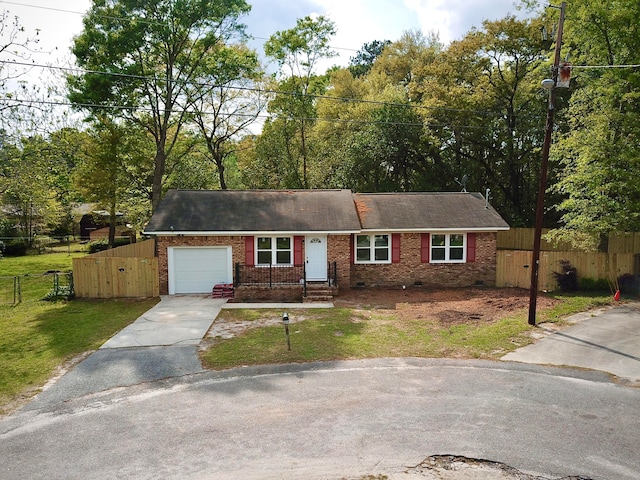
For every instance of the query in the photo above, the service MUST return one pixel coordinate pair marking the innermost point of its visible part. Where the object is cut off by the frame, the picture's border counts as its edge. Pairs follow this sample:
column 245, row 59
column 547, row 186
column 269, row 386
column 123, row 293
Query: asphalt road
column 339, row 420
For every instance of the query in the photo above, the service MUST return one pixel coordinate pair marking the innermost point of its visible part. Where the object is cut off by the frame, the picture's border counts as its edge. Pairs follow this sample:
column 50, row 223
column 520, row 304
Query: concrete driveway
column 161, row 343
column 176, row 320
column 607, row 340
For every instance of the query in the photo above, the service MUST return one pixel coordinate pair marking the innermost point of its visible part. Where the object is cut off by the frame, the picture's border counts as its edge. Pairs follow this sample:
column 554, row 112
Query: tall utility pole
column 535, row 262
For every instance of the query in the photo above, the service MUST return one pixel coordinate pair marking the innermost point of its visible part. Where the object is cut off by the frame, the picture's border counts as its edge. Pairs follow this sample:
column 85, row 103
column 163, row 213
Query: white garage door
column 198, row 269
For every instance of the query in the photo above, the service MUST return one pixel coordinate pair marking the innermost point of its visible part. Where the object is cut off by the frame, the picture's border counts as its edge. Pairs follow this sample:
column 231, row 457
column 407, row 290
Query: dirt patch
column 449, row 306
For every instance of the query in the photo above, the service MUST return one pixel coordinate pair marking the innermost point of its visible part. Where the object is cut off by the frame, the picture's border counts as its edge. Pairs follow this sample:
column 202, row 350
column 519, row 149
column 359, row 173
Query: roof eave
column 175, row 233
column 428, row 230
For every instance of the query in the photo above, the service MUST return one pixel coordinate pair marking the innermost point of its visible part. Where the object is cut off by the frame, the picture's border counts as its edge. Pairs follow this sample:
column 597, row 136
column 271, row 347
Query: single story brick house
column 283, row 244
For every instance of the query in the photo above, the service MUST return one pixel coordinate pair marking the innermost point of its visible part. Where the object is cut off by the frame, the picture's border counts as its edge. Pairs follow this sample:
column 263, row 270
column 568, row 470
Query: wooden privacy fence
column 522, row 239
column 128, row 271
column 513, row 267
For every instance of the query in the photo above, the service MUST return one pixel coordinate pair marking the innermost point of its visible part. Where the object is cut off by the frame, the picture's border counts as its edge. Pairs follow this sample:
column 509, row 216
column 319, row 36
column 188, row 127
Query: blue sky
column 357, row 21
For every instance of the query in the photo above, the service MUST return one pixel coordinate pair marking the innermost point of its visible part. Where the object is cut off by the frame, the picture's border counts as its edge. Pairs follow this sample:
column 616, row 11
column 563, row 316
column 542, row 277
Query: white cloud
column 452, row 19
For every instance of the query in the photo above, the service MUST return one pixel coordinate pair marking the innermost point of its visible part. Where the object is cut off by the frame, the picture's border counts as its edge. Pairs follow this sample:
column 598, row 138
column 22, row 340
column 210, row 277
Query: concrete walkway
column 607, row 340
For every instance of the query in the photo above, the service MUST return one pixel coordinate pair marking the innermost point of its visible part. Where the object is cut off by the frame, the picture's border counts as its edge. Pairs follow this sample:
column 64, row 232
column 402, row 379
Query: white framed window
column 372, row 248
column 274, row 251
column 448, row 248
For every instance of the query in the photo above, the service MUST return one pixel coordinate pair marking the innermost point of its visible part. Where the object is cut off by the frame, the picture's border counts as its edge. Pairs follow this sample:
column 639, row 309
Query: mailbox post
column 285, row 321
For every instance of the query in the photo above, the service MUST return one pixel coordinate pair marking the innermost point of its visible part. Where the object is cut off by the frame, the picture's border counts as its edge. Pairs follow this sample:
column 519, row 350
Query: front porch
column 283, row 283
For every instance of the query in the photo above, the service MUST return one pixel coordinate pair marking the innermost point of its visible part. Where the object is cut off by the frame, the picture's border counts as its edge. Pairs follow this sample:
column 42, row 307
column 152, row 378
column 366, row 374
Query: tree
column 297, row 52
column 599, row 152
column 483, row 97
column 365, row 58
column 27, row 188
column 376, row 141
column 141, row 57
column 16, row 45
column 226, row 102
column 103, row 175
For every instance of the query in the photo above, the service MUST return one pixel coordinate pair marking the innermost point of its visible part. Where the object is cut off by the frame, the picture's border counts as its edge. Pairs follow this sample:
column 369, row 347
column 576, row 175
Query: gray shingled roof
column 255, row 211
column 320, row 211
column 426, row 211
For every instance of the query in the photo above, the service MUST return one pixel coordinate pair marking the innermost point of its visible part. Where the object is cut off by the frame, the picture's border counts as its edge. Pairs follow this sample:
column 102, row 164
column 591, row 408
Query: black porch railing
column 269, row 275
column 274, row 275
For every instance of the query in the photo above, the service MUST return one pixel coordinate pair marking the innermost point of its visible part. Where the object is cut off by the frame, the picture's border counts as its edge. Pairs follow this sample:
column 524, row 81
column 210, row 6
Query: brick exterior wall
column 235, row 242
column 339, row 251
column 411, row 269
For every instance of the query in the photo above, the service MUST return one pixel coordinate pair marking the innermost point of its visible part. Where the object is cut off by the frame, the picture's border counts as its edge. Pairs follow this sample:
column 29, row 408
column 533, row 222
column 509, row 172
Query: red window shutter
column 249, row 255
column 297, row 250
column 471, row 247
column 395, row 248
column 425, row 248
column 351, row 249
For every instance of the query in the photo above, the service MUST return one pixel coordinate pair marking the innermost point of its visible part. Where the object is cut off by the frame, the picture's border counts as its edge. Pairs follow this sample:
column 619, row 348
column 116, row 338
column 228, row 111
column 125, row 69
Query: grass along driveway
column 39, row 337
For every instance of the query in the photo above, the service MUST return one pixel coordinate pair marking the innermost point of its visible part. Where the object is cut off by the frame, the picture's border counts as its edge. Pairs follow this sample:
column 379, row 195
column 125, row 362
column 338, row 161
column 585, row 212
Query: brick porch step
column 318, row 293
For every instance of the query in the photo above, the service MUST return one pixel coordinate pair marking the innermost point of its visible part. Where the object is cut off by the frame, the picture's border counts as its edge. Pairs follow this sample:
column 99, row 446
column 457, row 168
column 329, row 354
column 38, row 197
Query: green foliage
column 15, row 248
column 600, row 181
column 363, row 61
column 161, row 52
column 587, row 284
column 285, row 142
column 103, row 244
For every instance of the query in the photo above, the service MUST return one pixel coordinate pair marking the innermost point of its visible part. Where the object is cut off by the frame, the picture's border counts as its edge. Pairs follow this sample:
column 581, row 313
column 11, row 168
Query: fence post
column 19, row 290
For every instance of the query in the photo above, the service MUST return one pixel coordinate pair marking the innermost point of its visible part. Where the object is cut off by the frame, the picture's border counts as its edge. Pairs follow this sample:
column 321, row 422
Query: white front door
column 315, row 247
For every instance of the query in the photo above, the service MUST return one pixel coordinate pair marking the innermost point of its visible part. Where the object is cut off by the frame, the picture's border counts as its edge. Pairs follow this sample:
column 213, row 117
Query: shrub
column 97, row 246
column 567, row 278
column 61, row 293
column 627, row 283
column 592, row 284
column 103, row 244
column 15, row 248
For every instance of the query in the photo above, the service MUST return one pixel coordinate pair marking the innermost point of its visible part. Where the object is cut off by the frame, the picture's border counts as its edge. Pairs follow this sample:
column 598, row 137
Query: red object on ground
column 616, row 296
column 222, row 290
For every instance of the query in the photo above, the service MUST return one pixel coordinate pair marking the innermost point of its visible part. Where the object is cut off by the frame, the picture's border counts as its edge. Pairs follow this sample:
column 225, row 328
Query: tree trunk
column 158, row 174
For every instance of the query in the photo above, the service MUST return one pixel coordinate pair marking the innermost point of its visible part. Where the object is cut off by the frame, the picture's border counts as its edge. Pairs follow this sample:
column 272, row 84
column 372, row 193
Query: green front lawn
column 340, row 334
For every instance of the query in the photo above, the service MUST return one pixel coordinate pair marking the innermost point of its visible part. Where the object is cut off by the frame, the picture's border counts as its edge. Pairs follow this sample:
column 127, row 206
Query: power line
column 604, row 66
column 19, row 101
column 77, row 70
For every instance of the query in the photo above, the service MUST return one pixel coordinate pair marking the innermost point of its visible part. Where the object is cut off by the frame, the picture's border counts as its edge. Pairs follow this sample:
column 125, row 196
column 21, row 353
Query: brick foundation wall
column 411, row 270
column 280, row 293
